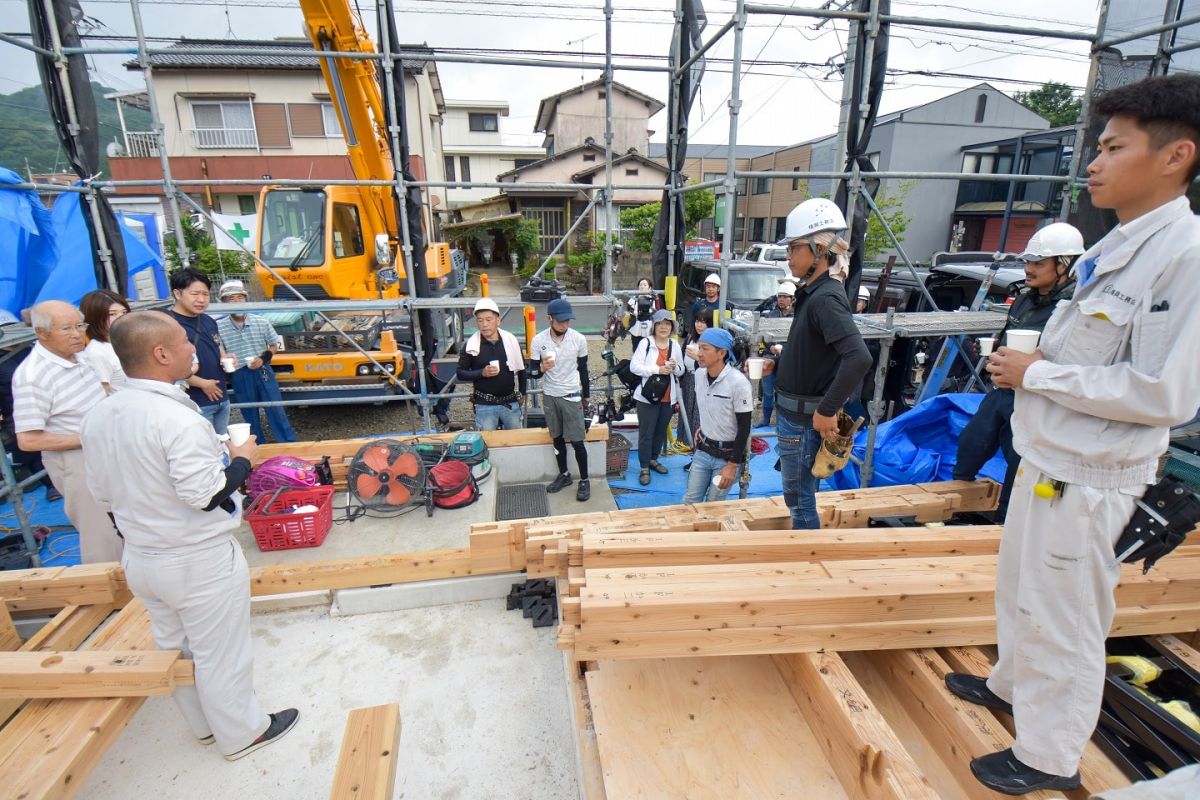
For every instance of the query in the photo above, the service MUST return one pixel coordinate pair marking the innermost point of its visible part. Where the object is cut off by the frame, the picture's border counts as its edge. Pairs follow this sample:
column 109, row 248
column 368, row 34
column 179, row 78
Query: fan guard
column 386, row 474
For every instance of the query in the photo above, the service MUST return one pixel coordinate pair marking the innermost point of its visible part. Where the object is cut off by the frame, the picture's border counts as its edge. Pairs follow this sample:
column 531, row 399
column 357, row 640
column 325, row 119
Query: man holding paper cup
column 559, row 356
column 492, row 361
column 1048, row 258
column 1115, row 369
column 160, row 466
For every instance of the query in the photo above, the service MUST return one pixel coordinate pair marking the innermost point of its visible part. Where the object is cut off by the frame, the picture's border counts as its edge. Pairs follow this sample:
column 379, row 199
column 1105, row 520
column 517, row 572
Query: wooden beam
column 68, row 629
column 864, row 751
column 96, row 673
column 59, row 587
column 589, row 773
column 349, row 573
column 366, row 768
column 9, row 638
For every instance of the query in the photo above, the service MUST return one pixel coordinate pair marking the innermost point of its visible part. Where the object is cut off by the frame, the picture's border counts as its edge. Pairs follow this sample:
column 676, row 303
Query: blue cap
column 718, row 338
column 560, row 310
column 662, row 315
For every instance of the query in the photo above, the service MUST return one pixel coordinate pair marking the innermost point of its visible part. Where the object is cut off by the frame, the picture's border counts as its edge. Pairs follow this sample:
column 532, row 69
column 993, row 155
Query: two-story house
column 474, row 147
column 573, row 122
column 264, row 117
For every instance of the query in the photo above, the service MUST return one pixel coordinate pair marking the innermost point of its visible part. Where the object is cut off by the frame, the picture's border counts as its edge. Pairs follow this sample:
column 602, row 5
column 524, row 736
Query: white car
column 767, row 253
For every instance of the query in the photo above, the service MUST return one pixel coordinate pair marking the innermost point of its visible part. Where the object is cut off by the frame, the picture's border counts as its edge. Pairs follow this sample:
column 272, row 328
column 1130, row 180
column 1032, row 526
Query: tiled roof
column 292, row 54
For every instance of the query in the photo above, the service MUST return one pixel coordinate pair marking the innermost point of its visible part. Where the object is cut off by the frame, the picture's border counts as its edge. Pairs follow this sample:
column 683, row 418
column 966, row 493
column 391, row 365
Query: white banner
column 243, row 228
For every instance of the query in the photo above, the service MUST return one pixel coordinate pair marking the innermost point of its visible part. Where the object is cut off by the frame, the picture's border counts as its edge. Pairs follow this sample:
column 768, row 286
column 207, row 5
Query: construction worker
column 864, row 299
column 1048, row 258
column 1115, row 368
column 712, row 295
column 249, row 342
column 785, row 303
column 559, row 355
column 824, row 359
column 725, row 400
column 492, row 361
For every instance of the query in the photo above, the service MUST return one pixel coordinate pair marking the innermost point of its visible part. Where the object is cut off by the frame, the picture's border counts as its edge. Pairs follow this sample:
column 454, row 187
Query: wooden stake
column 366, row 768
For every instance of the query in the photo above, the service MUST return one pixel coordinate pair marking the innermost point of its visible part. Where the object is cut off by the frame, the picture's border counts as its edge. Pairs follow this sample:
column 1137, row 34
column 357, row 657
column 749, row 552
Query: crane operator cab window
column 347, row 231
column 294, row 230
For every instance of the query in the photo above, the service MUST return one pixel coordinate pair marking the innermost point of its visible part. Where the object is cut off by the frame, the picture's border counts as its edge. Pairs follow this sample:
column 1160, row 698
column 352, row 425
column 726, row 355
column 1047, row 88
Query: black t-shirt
column 202, row 333
column 470, row 370
column 822, row 316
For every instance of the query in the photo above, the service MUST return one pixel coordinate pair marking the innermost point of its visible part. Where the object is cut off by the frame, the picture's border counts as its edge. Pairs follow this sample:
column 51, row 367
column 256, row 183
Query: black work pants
column 653, row 419
column 989, row 429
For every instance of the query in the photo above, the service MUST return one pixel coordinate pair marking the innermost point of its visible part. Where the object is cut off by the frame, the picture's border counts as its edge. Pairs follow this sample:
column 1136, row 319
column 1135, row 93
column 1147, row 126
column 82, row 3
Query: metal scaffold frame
column 869, row 16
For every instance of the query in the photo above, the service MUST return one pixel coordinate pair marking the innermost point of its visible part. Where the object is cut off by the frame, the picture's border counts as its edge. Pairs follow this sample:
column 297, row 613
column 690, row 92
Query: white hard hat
column 1057, row 239
column 813, row 216
column 231, row 287
column 713, row 278
column 864, row 293
column 788, row 288
column 486, row 304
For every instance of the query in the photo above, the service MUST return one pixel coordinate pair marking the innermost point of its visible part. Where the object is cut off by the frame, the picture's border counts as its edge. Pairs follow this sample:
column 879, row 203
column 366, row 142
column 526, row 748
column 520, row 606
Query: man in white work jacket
column 159, row 465
column 1116, row 367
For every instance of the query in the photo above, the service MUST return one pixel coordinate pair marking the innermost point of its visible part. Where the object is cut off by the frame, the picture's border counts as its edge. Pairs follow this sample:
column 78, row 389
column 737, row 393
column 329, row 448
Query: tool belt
column 483, row 398
column 796, row 405
column 722, row 450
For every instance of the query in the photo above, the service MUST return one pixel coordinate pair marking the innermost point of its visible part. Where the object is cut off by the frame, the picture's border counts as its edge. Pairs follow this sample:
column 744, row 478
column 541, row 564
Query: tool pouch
column 834, row 452
column 1162, row 519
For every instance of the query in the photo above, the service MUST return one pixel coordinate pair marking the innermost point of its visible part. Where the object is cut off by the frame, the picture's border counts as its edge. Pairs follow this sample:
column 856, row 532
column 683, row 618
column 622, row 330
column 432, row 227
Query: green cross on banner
column 239, row 233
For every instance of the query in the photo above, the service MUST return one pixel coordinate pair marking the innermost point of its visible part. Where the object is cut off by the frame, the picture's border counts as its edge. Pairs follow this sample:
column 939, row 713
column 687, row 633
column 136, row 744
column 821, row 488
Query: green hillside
column 27, row 133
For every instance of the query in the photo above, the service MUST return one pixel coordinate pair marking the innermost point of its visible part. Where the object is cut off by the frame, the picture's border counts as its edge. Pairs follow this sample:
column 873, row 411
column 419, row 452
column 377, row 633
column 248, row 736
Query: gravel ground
column 314, row 423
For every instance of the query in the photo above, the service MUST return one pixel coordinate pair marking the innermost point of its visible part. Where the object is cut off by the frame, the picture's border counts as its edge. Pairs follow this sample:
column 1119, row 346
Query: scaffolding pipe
column 24, row 45
column 1142, row 34
column 682, row 69
column 14, row 493
column 735, row 104
column 608, row 148
column 675, row 97
column 160, row 134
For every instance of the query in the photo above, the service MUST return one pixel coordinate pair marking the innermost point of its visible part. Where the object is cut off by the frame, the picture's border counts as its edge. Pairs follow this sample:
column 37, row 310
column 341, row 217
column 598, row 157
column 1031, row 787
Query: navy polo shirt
column 202, row 333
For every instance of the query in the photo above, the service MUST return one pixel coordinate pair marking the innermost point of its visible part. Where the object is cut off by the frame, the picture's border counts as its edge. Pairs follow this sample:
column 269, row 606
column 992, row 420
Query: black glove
column 266, row 357
column 1162, row 519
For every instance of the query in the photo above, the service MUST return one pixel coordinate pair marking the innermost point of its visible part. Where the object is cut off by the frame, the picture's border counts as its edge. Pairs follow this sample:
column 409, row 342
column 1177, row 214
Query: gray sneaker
column 281, row 723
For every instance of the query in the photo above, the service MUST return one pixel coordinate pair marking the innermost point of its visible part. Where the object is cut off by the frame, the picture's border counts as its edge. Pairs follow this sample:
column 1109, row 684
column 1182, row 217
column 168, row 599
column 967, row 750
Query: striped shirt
column 53, row 394
column 248, row 340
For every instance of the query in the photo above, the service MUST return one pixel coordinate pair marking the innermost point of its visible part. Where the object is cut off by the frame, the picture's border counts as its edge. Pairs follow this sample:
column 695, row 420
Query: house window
column 330, row 120
column 524, row 162
column 347, row 231
column 758, row 229
column 739, row 230
column 224, row 124
column 631, row 172
column 464, row 164
column 795, row 181
column 449, row 161
column 602, row 94
column 589, row 156
column 483, row 123
column 762, row 185
column 780, row 228
column 246, row 203
column 980, row 107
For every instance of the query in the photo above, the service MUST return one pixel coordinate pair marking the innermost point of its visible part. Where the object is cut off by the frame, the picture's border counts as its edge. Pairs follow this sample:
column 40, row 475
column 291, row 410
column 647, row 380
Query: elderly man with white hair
column 52, row 391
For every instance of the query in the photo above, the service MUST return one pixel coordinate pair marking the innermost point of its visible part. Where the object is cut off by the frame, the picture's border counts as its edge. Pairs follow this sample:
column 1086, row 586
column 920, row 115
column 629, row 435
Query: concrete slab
column 481, row 697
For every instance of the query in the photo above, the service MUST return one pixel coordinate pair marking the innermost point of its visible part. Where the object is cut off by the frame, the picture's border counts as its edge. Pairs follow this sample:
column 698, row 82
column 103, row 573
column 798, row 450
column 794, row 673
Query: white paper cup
column 239, row 433
column 547, row 362
column 495, row 363
column 229, row 363
column 1022, row 341
column 716, row 481
column 693, row 351
column 250, row 360
column 754, row 367
column 985, row 346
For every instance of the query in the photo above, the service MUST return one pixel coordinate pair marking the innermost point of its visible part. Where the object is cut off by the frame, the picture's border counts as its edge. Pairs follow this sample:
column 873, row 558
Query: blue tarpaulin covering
column 47, row 254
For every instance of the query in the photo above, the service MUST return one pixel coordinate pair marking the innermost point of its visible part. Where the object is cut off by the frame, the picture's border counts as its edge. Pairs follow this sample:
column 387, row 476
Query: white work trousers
column 98, row 540
column 1054, row 607
column 199, row 603
column 1180, row 784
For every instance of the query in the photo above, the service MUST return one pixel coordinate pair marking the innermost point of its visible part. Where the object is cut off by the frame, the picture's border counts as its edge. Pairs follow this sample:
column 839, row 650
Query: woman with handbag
column 658, row 361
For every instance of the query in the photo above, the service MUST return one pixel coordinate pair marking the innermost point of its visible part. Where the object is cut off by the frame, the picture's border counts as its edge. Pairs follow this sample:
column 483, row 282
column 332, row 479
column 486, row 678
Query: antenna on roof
column 582, row 79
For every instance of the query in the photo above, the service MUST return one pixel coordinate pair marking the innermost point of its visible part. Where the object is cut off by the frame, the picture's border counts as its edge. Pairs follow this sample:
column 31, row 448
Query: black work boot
column 560, row 483
column 584, row 492
column 975, row 690
column 1003, row 772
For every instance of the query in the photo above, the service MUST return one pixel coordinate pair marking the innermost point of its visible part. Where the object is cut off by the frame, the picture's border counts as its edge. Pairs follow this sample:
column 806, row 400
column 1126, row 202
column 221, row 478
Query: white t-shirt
column 563, row 380
column 104, row 362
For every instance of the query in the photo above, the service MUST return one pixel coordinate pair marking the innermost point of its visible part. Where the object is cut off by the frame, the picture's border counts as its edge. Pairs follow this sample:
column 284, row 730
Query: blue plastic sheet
column 919, row 446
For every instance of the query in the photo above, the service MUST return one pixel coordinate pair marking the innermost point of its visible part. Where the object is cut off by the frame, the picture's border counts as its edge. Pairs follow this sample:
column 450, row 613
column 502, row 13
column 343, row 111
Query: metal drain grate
column 522, row 501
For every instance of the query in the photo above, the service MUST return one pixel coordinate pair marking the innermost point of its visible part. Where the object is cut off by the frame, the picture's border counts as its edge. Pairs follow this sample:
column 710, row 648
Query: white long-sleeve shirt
column 157, row 463
column 1121, row 357
column 645, row 363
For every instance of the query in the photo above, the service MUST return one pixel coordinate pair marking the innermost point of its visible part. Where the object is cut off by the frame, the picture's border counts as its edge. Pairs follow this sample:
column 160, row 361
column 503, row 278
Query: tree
column 639, row 222
column 1054, row 101
column 891, row 206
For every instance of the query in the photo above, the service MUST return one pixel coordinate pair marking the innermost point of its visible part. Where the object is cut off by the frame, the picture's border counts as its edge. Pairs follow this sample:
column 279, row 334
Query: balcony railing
column 142, row 144
column 225, row 138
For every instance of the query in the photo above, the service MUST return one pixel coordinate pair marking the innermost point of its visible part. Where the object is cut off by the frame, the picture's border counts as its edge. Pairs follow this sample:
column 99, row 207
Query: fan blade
column 366, row 486
column 398, row 494
column 407, row 465
column 376, row 458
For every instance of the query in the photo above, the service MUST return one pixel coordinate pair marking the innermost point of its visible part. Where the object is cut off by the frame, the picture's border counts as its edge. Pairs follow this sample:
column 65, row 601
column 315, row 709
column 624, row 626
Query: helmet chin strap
column 818, row 253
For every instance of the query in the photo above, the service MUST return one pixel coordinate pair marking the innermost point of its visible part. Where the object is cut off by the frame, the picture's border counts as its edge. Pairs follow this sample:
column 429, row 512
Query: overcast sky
column 784, row 99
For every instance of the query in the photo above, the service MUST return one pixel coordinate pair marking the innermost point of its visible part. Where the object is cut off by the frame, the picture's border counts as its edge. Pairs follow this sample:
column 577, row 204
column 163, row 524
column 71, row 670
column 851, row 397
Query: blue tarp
column 47, row 254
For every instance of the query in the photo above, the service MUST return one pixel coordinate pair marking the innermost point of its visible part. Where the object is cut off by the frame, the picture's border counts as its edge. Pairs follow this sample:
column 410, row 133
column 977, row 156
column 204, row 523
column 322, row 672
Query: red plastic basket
column 276, row 528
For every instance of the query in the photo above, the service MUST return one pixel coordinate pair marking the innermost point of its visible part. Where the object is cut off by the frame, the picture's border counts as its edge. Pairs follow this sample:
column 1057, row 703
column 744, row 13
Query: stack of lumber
column 341, row 451
column 649, row 595
column 539, row 545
